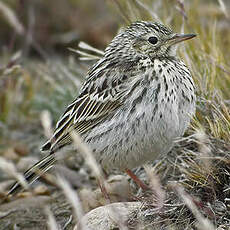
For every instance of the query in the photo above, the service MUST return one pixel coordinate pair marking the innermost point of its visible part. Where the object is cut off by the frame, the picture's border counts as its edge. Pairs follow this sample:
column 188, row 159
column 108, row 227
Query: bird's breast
column 156, row 110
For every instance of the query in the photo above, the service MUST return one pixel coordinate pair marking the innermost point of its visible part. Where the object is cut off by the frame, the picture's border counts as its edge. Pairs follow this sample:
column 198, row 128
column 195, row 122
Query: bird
column 136, row 100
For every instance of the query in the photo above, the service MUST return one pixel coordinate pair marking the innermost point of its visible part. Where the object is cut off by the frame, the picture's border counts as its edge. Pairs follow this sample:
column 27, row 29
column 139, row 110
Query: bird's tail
column 34, row 173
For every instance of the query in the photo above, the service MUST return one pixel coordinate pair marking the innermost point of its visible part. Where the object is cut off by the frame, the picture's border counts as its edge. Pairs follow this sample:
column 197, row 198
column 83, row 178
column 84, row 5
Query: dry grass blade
column 219, row 65
column 203, row 223
column 204, row 150
column 223, row 8
column 84, row 55
column 51, row 222
column 181, row 9
column 9, row 168
column 72, row 197
column 46, row 123
column 122, row 11
column 89, row 158
column 12, row 18
column 155, row 186
column 146, row 8
column 86, row 46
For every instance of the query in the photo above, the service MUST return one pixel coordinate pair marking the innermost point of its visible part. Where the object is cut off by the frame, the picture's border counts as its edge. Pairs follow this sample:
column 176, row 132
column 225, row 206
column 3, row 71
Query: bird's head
column 154, row 40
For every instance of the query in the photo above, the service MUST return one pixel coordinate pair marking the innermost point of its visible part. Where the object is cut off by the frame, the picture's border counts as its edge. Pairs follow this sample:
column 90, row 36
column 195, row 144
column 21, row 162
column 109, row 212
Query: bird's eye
column 153, row 40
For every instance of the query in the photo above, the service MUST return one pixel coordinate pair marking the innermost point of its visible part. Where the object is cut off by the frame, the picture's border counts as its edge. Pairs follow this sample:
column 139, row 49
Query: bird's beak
column 180, row 38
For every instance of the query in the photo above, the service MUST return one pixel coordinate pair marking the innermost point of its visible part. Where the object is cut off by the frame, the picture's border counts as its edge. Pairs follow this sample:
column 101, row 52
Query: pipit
column 136, row 100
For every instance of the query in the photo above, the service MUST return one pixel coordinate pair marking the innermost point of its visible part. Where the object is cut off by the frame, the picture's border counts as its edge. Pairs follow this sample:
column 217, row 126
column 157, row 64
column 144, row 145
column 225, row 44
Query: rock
column 117, row 188
column 88, row 199
column 118, row 185
column 111, row 216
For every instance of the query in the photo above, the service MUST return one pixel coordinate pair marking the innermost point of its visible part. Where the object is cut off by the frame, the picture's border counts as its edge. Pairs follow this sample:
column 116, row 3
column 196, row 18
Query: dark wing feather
column 99, row 98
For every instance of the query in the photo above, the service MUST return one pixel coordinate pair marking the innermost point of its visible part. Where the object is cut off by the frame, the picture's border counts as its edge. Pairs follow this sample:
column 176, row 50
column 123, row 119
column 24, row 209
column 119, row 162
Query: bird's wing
column 101, row 96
